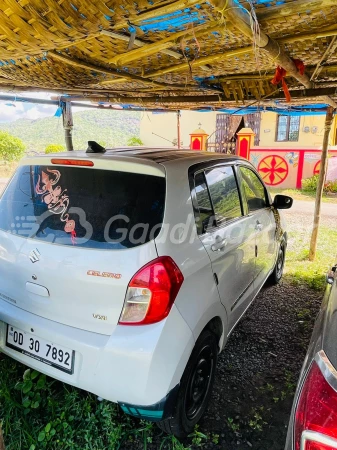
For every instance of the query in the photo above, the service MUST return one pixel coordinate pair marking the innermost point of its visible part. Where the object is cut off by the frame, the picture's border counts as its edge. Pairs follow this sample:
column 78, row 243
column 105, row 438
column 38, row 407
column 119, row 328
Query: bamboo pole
column 296, row 7
column 200, row 62
column 328, row 52
column 325, row 32
column 138, row 42
column 161, row 45
column 87, row 66
column 156, row 12
column 320, row 186
column 240, row 18
column 68, row 125
column 115, row 97
column 178, row 129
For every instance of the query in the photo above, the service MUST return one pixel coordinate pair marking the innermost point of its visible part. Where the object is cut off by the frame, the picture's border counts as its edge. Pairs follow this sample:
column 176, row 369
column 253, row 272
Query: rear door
column 256, row 203
column 226, row 236
column 71, row 238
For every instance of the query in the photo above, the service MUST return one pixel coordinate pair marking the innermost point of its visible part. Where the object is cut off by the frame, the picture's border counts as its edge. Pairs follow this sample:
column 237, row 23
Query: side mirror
column 282, row 202
column 331, row 275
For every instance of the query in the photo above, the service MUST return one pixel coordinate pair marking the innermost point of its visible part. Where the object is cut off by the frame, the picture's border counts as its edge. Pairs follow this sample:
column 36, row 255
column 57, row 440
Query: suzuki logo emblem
column 34, row 256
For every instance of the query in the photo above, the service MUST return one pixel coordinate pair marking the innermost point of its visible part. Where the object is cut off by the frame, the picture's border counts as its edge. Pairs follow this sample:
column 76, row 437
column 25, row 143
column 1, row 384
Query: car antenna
column 94, row 147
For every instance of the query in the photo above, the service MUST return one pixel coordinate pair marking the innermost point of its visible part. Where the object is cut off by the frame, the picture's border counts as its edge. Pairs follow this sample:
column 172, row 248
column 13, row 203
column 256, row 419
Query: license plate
column 29, row 344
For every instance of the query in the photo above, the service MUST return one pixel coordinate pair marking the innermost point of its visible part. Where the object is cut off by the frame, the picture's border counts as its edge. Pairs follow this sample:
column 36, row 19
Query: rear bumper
column 134, row 366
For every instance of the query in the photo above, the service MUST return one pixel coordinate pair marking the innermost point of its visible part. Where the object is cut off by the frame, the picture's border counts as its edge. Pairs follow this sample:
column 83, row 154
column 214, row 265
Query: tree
column 321, row 180
column 134, row 140
column 11, row 147
column 54, row 148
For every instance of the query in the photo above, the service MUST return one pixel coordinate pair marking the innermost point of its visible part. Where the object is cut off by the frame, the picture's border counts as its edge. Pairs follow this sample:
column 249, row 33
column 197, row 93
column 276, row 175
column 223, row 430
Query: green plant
column 256, row 422
column 40, row 413
column 310, row 184
column 290, row 382
column 172, row 443
column 54, row 148
column 134, row 141
column 215, row 438
column 235, row 427
column 330, row 187
column 198, row 438
column 11, row 147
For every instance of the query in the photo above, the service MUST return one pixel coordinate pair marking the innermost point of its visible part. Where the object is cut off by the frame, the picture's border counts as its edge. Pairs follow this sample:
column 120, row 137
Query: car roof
column 166, row 154
column 143, row 154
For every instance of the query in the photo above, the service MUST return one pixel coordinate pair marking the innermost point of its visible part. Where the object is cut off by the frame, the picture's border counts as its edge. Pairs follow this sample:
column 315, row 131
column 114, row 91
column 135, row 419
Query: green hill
column 110, row 128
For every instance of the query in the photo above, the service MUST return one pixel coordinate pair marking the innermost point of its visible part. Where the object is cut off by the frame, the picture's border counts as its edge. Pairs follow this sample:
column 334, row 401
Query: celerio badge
column 34, row 256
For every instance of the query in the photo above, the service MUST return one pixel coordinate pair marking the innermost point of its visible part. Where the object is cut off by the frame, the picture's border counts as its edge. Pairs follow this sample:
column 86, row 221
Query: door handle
column 219, row 244
column 258, row 226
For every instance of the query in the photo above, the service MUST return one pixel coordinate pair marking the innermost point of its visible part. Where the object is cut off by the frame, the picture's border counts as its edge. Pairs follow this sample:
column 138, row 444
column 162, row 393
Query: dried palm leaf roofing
column 170, row 54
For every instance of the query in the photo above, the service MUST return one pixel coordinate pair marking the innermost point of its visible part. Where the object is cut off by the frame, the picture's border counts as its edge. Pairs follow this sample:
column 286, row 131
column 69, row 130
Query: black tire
column 277, row 273
column 195, row 387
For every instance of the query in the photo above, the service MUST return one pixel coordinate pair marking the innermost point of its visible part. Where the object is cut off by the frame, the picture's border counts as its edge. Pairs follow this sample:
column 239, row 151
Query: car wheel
column 277, row 273
column 195, row 387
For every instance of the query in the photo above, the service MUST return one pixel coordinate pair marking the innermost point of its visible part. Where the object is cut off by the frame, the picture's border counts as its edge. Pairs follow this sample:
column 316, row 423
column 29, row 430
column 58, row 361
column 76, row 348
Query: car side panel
column 198, row 299
column 234, row 265
column 266, row 246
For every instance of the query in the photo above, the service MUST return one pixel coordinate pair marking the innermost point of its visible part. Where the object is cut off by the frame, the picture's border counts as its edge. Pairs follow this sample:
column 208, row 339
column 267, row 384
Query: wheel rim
column 199, row 382
column 280, row 262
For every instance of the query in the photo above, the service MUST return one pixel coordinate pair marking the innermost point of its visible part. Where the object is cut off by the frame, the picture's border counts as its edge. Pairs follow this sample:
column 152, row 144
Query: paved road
column 307, row 207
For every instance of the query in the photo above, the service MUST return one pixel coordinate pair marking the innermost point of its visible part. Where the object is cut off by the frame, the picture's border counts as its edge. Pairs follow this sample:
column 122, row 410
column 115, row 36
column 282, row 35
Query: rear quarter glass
column 102, row 209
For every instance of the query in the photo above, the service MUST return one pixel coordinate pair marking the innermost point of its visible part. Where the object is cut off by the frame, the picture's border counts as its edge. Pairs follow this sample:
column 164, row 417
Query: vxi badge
column 34, row 256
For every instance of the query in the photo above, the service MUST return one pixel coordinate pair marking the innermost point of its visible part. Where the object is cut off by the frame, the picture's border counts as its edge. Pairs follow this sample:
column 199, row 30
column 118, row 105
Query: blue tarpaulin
column 304, row 110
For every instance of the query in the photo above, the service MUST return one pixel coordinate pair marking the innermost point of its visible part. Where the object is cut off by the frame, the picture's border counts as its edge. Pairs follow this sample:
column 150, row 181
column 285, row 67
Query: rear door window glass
column 84, row 207
column 205, row 217
column 224, row 194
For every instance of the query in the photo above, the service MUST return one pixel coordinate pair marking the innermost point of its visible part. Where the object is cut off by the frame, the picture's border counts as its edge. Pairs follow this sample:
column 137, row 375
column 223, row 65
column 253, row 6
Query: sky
column 11, row 111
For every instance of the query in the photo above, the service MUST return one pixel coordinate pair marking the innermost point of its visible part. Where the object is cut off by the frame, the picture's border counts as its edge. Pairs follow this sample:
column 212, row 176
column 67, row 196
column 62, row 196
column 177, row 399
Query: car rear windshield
column 83, row 207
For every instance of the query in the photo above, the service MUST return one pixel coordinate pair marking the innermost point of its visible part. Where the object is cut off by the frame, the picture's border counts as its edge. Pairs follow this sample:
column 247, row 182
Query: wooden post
column 320, row 186
column 68, row 125
column 178, row 129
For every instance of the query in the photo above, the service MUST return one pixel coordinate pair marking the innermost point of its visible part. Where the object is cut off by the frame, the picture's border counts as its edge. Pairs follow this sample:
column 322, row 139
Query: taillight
column 151, row 292
column 316, row 411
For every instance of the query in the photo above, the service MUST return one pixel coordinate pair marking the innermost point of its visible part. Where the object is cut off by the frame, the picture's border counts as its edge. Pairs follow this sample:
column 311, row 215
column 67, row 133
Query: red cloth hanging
column 280, row 74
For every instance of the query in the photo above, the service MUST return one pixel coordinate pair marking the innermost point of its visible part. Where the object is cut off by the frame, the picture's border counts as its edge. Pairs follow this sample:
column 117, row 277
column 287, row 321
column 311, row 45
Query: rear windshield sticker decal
column 56, row 199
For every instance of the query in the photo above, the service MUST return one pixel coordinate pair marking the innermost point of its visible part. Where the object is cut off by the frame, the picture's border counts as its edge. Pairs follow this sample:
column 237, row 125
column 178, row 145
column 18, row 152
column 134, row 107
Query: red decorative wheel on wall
column 317, row 168
column 273, row 169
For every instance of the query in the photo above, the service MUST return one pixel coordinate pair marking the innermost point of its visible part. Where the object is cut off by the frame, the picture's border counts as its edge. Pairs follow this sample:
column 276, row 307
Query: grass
column 299, row 269
column 37, row 412
column 40, row 413
column 298, row 194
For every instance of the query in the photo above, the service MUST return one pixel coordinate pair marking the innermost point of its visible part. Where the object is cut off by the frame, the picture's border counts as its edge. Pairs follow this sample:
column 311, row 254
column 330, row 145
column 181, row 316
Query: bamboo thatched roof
column 171, row 54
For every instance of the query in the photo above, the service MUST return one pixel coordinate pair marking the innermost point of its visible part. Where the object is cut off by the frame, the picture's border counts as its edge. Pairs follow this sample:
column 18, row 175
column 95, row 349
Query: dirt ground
column 257, row 374
column 258, row 371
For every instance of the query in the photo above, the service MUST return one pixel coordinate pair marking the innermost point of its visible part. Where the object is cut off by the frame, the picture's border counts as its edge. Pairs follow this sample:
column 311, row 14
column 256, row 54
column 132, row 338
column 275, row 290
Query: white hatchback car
column 123, row 272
